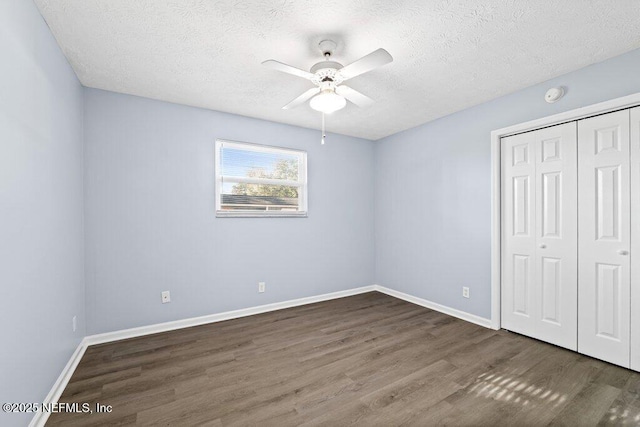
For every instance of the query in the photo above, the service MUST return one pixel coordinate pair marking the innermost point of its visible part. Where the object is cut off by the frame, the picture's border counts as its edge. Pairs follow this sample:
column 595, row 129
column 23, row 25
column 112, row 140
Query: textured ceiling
column 448, row 55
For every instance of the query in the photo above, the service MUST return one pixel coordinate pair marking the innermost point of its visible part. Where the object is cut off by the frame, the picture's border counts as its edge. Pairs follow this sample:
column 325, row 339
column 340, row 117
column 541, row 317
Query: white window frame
column 301, row 183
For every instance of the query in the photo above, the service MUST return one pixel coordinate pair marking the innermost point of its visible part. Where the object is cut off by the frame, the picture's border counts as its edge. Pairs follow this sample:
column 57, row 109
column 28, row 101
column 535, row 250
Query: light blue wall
column 151, row 225
column 433, row 187
column 41, row 208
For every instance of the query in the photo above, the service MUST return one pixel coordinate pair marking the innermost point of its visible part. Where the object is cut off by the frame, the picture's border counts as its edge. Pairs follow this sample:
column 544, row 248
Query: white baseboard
column 40, row 418
column 435, row 306
column 219, row 317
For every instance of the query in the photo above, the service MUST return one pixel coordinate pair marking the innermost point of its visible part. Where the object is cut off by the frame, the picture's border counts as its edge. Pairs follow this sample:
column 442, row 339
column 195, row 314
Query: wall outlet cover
column 166, row 297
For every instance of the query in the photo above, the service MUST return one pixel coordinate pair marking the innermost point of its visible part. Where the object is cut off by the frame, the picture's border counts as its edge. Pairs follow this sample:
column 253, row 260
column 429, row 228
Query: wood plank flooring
column 367, row 360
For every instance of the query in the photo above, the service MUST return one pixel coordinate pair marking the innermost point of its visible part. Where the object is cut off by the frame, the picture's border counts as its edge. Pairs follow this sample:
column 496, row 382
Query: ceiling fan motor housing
column 327, row 71
column 326, row 64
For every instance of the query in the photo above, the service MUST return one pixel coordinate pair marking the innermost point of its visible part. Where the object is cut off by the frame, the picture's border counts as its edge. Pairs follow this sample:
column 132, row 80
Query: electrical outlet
column 465, row 292
column 74, row 323
column 262, row 287
column 166, row 297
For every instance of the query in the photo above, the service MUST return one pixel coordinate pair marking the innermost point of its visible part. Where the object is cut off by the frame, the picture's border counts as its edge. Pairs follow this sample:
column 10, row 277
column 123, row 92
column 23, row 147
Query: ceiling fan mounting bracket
column 327, row 47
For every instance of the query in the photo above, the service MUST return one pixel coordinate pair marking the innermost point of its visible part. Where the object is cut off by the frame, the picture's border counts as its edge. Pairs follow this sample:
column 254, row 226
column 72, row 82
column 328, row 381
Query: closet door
column 604, row 237
column 518, row 234
column 557, row 235
column 539, row 277
column 635, row 238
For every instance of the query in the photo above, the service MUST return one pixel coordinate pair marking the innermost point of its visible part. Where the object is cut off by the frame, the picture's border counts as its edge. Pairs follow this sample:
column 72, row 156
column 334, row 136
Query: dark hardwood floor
column 366, row 360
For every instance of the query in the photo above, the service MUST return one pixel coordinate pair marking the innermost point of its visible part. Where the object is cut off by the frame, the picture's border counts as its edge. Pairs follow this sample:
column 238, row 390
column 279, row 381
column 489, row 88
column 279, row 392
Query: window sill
column 263, row 214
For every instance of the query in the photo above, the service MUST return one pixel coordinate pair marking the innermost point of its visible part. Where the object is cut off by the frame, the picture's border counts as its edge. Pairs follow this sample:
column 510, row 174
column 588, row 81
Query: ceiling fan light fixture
column 327, row 102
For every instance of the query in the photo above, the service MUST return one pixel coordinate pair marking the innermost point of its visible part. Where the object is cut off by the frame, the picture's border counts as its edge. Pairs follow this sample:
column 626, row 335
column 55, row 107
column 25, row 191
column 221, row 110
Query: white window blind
column 257, row 180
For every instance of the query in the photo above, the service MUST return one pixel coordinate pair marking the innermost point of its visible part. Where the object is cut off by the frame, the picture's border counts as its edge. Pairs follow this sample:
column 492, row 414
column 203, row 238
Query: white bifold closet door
column 604, row 237
column 635, row 238
column 539, row 235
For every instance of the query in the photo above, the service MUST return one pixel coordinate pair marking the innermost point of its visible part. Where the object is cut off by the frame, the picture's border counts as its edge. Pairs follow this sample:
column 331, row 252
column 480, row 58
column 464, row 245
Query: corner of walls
column 85, row 232
column 85, row 316
column 376, row 226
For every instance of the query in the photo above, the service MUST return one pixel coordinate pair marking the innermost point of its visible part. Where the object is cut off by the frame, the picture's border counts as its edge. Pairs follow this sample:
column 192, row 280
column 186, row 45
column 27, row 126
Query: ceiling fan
column 330, row 94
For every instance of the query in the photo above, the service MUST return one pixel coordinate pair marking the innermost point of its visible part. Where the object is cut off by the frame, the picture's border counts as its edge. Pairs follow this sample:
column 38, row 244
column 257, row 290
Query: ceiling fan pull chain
column 323, row 134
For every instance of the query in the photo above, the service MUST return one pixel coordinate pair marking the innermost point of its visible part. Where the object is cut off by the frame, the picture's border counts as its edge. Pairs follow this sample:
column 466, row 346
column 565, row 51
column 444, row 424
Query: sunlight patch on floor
column 509, row 389
column 624, row 417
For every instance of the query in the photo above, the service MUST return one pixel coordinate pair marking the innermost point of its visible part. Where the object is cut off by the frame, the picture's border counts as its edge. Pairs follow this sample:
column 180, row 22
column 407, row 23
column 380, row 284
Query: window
column 260, row 181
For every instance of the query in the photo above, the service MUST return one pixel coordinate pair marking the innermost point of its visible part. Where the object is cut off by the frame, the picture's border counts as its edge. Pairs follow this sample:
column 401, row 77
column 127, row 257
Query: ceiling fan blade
column 375, row 59
column 354, row 96
column 288, row 69
column 302, row 98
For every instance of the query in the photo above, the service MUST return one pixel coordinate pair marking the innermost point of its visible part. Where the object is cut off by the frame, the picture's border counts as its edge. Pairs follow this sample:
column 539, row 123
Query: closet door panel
column 635, row 238
column 604, row 237
column 556, row 296
column 539, row 281
column 518, row 234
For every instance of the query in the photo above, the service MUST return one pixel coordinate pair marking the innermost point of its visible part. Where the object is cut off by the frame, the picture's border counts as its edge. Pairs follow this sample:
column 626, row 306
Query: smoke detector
column 554, row 94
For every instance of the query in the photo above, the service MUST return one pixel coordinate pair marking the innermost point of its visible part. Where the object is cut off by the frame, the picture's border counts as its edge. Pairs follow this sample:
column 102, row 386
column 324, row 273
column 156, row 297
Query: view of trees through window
column 286, row 169
column 254, row 178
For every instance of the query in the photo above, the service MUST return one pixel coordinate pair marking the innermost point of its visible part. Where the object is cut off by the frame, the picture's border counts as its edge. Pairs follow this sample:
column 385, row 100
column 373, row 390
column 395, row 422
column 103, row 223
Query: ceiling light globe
column 327, row 102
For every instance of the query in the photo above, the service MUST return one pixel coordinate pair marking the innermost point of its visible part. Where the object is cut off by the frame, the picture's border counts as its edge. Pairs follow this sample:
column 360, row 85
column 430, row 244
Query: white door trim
column 556, row 119
column 635, row 239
